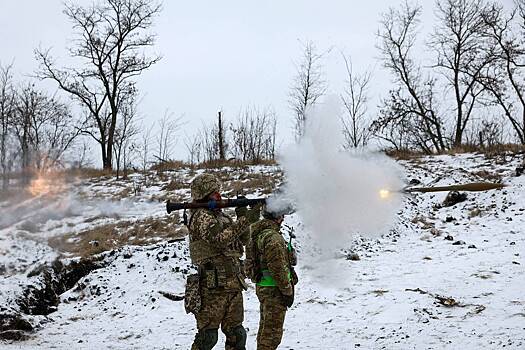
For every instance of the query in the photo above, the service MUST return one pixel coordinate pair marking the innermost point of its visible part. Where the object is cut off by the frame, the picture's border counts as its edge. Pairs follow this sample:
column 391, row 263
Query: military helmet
column 204, row 185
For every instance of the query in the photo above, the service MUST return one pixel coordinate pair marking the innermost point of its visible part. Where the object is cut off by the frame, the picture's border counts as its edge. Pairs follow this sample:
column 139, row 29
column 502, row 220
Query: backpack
column 252, row 263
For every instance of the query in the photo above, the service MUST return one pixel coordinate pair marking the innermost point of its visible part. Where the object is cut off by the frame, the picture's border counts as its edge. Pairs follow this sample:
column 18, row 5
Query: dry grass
column 494, row 150
column 124, row 193
column 404, row 154
column 490, row 151
column 267, row 162
column 499, row 150
column 169, row 165
column 176, row 184
column 466, row 148
column 89, row 173
column 249, row 182
column 489, row 176
column 232, row 163
column 115, row 235
column 216, row 164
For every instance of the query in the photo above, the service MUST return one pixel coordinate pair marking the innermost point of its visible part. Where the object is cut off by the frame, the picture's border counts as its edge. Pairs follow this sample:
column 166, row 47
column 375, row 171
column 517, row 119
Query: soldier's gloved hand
column 254, row 214
column 241, row 211
column 287, row 299
column 295, row 278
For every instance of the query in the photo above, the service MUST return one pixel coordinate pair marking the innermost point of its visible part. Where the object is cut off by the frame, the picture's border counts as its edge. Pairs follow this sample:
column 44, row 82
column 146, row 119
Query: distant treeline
column 469, row 91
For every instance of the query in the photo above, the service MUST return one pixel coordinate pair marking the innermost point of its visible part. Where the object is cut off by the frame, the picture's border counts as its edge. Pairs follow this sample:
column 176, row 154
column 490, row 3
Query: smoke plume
column 337, row 193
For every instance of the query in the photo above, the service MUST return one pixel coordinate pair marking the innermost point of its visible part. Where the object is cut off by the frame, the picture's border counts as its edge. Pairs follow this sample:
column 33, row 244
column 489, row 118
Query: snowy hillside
column 443, row 278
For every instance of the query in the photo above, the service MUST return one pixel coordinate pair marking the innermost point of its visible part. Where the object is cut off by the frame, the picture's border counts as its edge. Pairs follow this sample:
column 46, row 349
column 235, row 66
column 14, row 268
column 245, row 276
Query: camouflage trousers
column 222, row 309
column 272, row 313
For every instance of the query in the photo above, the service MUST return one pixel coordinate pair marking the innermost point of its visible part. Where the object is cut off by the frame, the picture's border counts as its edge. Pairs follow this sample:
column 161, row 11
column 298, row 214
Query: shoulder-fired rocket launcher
column 227, row 203
column 244, row 202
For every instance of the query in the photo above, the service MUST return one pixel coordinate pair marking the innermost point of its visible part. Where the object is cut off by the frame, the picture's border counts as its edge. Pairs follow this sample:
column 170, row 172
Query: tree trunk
column 458, row 138
column 3, row 161
column 221, row 138
column 106, row 164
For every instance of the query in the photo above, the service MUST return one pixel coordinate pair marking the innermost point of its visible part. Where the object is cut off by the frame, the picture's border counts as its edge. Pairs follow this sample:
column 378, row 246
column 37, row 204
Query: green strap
column 267, row 279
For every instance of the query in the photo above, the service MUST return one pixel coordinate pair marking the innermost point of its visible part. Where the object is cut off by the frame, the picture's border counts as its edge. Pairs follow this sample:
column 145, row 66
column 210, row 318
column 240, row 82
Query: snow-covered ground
column 444, row 278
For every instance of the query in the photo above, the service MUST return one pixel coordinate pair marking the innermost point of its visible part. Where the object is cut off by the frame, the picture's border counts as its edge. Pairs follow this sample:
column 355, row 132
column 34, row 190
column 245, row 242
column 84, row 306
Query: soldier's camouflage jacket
column 272, row 253
column 216, row 248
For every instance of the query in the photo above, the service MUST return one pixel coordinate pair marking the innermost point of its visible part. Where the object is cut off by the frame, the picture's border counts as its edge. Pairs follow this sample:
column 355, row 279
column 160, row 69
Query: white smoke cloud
column 33, row 212
column 337, row 193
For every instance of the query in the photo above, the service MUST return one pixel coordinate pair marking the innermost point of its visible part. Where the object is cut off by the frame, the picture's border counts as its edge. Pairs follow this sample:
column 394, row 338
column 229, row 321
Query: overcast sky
column 221, row 54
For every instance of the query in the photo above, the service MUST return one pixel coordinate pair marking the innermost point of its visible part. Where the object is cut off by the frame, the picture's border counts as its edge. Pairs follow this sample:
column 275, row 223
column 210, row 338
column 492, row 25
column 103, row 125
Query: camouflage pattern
column 220, row 309
column 192, row 297
column 204, row 185
column 272, row 252
column 215, row 239
column 216, row 248
column 272, row 314
column 273, row 255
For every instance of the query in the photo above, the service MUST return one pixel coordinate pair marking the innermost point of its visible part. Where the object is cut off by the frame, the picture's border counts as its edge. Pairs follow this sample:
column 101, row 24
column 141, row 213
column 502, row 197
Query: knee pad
column 207, row 338
column 236, row 338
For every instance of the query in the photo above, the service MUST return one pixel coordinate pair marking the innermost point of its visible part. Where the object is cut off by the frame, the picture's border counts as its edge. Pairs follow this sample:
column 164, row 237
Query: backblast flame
column 45, row 184
column 384, row 194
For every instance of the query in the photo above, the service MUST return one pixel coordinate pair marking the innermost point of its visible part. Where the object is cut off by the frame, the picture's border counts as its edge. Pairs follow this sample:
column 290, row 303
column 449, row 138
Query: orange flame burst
column 46, row 184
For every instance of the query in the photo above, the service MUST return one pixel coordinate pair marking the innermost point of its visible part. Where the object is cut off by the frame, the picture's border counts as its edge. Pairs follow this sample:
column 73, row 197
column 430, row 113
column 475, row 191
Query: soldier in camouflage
column 274, row 276
column 215, row 248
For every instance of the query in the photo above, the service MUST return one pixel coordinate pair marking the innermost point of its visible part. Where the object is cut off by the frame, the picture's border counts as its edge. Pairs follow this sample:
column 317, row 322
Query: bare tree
column 145, row 147
column 53, row 128
column 194, row 148
column 307, row 87
column 459, row 40
column 506, row 79
column 59, row 132
column 487, row 133
column 253, row 135
column 167, row 137
column 81, row 155
column 209, row 136
column 126, row 131
column 45, row 129
column 221, row 133
column 29, row 104
column 356, row 126
column 111, row 39
column 7, row 111
column 401, row 127
column 411, row 104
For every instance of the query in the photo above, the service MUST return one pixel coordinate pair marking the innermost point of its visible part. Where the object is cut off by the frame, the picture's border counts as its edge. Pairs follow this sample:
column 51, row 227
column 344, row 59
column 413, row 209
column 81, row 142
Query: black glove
column 295, row 278
column 287, row 300
column 241, row 211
